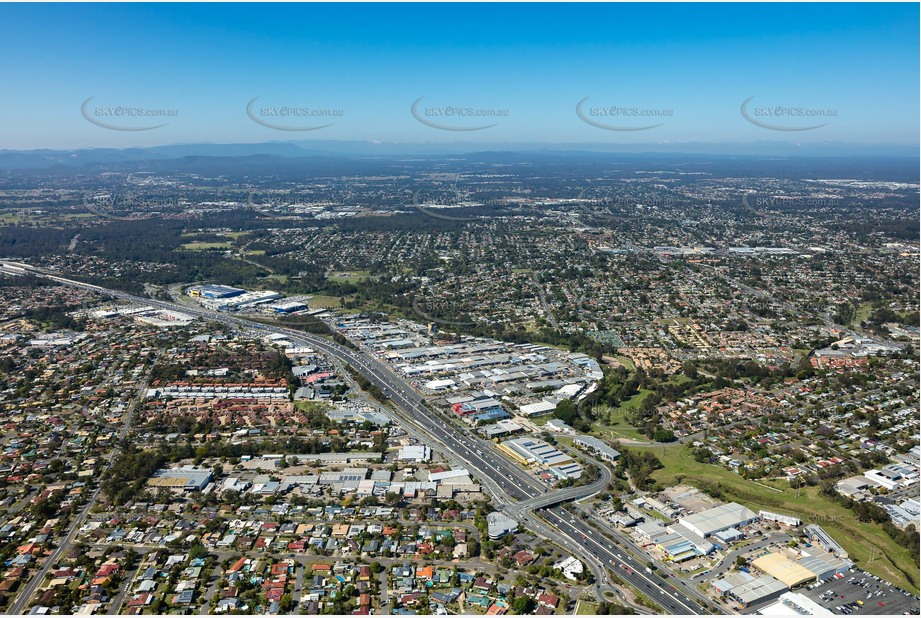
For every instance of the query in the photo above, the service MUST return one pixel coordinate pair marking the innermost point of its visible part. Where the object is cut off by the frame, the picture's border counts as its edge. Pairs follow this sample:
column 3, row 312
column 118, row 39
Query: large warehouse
column 806, row 569
column 782, row 568
column 186, row 478
column 757, row 591
column 719, row 518
column 529, row 451
column 216, row 291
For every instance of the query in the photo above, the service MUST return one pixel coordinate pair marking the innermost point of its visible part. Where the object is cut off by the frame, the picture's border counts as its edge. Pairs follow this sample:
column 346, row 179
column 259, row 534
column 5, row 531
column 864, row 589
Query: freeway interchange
column 517, row 493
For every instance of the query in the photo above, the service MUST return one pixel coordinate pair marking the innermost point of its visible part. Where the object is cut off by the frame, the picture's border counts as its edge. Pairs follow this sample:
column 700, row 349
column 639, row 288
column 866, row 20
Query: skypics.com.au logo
column 124, row 117
column 785, row 117
column 613, row 117
column 455, row 117
column 283, row 117
column 756, row 202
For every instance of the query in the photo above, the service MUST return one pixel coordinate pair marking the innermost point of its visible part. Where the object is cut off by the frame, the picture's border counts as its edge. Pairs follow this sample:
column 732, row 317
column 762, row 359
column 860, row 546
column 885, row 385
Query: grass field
column 866, row 543
column 584, row 608
column 615, row 425
column 206, row 246
column 11, row 217
column 318, row 301
column 863, row 312
column 626, row 362
column 351, row 276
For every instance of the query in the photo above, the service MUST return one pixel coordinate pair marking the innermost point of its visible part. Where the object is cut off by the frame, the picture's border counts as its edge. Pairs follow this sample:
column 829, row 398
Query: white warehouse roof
column 722, row 517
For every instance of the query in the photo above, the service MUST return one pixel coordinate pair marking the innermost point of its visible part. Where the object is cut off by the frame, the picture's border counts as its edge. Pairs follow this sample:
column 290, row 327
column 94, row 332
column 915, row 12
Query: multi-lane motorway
column 514, row 490
column 621, row 562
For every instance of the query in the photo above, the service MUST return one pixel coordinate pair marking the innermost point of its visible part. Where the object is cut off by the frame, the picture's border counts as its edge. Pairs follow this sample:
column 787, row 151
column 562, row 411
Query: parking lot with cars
column 858, row 592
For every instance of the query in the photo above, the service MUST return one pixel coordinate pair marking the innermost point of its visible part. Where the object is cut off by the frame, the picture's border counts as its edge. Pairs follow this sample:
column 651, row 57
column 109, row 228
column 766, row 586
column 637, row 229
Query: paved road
column 385, row 592
column 119, row 599
column 730, row 559
column 653, row 586
column 543, row 301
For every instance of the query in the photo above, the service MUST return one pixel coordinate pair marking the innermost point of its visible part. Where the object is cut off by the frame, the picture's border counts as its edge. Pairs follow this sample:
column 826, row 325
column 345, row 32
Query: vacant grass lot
column 206, row 246
column 353, row 276
column 613, row 423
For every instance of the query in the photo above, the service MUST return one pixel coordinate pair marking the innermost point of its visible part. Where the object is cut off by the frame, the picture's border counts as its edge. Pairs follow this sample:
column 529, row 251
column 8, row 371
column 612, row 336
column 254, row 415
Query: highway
column 515, row 491
column 621, row 562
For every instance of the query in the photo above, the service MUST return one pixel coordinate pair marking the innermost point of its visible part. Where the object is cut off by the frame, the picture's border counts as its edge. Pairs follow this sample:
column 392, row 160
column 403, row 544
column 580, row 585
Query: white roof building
column 418, row 453
column 723, row 517
column 533, row 409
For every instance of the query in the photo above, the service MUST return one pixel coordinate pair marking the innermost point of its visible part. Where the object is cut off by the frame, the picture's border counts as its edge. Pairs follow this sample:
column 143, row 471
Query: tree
column 197, row 551
column 522, row 605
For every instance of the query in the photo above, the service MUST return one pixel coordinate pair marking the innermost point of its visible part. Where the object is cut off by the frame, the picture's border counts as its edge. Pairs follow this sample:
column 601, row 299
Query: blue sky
column 695, row 63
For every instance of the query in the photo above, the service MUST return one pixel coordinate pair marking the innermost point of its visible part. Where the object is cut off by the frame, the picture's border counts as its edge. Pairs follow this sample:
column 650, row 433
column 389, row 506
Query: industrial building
column 418, row 453
column 186, row 478
column 794, row 604
column 758, row 590
column 677, row 548
column 818, row 535
column 529, row 451
column 498, row 525
column 477, row 406
column 788, row 520
column 536, row 409
column 490, row 415
column 825, row 566
column 781, row 568
column 598, row 447
column 651, row 531
column 439, row 385
column 557, row 426
column 502, row 429
column 289, row 306
column 215, row 291
column 723, row 517
column 247, row 299
column 805, row 569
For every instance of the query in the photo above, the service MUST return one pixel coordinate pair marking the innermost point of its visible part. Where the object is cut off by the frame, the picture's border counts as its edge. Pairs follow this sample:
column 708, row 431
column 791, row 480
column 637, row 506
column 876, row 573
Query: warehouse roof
column 758, row 590
column 782, row 568
column 719, row 518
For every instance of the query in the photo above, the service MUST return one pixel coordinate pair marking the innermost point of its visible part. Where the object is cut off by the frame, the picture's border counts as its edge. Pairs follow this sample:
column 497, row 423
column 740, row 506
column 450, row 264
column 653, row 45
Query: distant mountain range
column 97, row 158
